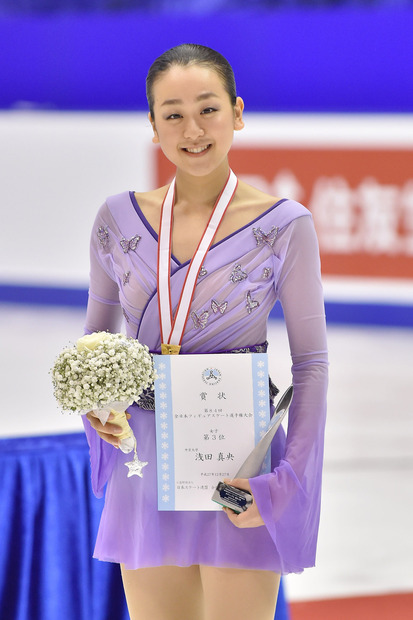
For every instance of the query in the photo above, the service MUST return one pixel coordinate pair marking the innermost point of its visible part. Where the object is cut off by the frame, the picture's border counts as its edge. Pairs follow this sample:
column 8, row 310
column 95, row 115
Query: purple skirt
column 133, row 532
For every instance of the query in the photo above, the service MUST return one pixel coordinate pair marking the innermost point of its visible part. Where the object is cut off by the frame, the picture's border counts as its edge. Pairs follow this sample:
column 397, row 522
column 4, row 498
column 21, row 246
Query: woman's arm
column 288, row 499
column 103, row 314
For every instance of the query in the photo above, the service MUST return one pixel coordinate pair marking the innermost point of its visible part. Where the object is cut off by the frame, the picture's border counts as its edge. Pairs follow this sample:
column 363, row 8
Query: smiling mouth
column 199, row 149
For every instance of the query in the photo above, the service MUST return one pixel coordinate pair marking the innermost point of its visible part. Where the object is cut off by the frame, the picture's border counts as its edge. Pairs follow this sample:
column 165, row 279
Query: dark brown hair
column 191, row 54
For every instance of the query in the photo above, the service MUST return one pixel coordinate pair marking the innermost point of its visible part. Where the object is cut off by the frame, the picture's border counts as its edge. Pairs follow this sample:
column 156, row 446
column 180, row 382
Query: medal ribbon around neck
column 172, row 328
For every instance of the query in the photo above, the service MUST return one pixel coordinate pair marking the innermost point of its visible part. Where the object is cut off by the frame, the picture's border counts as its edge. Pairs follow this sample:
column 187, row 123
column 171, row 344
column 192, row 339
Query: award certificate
column 211, row 410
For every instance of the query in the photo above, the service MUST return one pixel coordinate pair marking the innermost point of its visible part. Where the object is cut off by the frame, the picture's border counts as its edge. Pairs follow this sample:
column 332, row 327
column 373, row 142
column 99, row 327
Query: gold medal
column 170, row 349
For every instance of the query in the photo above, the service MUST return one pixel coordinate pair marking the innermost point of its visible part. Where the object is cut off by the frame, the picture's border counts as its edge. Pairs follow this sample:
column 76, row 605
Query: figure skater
column 209, row 565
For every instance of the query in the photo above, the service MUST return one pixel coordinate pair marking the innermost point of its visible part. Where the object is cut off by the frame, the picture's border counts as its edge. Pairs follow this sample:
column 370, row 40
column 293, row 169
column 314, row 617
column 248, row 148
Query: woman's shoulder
column 151, row 199
column 259, row 205
column 150, row 204
column 254, row 199
column 124, row 206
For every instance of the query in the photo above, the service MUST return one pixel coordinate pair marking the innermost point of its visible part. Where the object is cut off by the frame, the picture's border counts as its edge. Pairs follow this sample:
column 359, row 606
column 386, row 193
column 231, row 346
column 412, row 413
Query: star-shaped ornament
column 135, row 467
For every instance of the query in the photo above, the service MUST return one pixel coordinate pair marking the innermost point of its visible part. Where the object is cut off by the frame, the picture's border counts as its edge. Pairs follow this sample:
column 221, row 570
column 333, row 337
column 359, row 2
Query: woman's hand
column 108, row 431
column 251, row 517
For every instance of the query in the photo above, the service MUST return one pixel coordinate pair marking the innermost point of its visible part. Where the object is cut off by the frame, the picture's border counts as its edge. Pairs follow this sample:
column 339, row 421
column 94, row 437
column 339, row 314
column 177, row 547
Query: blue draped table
column 49, row 519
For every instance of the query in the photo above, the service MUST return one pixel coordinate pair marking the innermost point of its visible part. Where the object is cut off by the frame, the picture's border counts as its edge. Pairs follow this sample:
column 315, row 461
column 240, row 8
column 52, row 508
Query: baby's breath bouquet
column 105, row 373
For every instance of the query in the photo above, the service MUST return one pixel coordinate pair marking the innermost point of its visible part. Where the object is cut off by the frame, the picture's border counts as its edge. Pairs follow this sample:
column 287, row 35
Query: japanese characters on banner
column 361, row 200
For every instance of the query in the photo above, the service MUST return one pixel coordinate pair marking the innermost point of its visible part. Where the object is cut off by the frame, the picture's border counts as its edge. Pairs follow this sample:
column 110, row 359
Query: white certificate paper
column 211, row 410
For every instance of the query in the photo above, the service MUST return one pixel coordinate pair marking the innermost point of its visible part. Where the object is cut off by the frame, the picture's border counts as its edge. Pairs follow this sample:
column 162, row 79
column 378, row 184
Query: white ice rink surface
column 366, row 539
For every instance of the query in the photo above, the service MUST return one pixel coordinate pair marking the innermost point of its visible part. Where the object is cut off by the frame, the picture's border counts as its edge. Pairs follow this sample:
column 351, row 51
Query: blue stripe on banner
column 43, row 295
column 352, row 313
column 369, row 314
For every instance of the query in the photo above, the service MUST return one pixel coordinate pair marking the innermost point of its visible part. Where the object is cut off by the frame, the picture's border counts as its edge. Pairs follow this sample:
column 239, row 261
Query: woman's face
column 194, row 118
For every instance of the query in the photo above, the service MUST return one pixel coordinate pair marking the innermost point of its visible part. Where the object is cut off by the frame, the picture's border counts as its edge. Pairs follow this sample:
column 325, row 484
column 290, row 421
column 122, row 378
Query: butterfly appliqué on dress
column 237, row 275
column 125, row 278
column 103, row 236
column 251, row 303
column 200, row 320
column 266, row 272
column 268, row 238
column 127, row 319
column 129, row 244
column 216, row 307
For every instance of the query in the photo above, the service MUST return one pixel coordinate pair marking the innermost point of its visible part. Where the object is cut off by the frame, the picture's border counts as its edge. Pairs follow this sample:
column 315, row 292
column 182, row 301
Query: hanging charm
column 127, row 437
column 136, row 465
column 202, row 272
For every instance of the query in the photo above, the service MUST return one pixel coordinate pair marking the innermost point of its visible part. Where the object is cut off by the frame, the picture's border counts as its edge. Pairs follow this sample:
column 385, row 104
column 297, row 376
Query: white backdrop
column 57, row 168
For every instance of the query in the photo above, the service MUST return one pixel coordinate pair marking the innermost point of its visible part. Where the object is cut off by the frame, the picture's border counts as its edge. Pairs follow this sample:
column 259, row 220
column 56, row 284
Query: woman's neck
column 200, row 191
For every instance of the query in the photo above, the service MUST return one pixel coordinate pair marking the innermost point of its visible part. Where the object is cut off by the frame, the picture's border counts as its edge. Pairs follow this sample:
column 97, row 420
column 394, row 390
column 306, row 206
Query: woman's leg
column 164, row 593
column 239, row 593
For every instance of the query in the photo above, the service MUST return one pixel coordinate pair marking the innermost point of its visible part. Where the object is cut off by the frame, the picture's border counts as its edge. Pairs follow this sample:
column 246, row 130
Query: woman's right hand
column 108, row 431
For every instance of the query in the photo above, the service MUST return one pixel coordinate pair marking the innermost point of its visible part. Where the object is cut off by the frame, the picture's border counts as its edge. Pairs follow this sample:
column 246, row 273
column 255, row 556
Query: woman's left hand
column 251, row 517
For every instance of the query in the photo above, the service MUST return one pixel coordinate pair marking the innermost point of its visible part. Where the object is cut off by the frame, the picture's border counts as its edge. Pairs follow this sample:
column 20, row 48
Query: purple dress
column 273, row 257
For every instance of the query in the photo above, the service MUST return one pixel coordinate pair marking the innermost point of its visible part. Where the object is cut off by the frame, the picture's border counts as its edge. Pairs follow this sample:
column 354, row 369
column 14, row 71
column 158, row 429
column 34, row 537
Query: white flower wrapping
column 105, row 373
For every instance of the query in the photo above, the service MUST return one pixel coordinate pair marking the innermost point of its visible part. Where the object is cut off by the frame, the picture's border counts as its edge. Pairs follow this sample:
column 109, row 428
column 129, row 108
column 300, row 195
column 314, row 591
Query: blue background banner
column 346, row 59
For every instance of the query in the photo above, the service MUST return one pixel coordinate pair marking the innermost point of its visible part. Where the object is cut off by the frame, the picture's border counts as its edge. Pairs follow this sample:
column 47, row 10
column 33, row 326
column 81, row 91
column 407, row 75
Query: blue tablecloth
column 49, row 519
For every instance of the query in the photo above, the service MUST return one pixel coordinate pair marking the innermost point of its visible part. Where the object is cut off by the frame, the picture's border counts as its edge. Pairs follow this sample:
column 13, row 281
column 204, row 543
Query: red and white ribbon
column 172, row 328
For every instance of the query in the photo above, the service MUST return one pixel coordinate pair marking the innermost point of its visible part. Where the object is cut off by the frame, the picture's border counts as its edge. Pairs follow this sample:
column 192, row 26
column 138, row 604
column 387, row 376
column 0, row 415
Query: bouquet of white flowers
column 105, row 373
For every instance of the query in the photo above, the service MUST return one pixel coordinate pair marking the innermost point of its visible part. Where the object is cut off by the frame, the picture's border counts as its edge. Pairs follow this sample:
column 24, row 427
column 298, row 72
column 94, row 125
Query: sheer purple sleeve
column 103, row 313
column 288, row 498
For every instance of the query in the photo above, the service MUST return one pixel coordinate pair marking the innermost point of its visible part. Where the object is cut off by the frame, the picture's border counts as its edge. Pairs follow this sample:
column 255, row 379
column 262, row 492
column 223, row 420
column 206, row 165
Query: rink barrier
column 337, row 312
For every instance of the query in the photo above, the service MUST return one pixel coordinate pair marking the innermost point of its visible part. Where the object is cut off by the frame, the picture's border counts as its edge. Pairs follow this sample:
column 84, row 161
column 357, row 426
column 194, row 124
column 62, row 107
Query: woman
column 207, row 565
